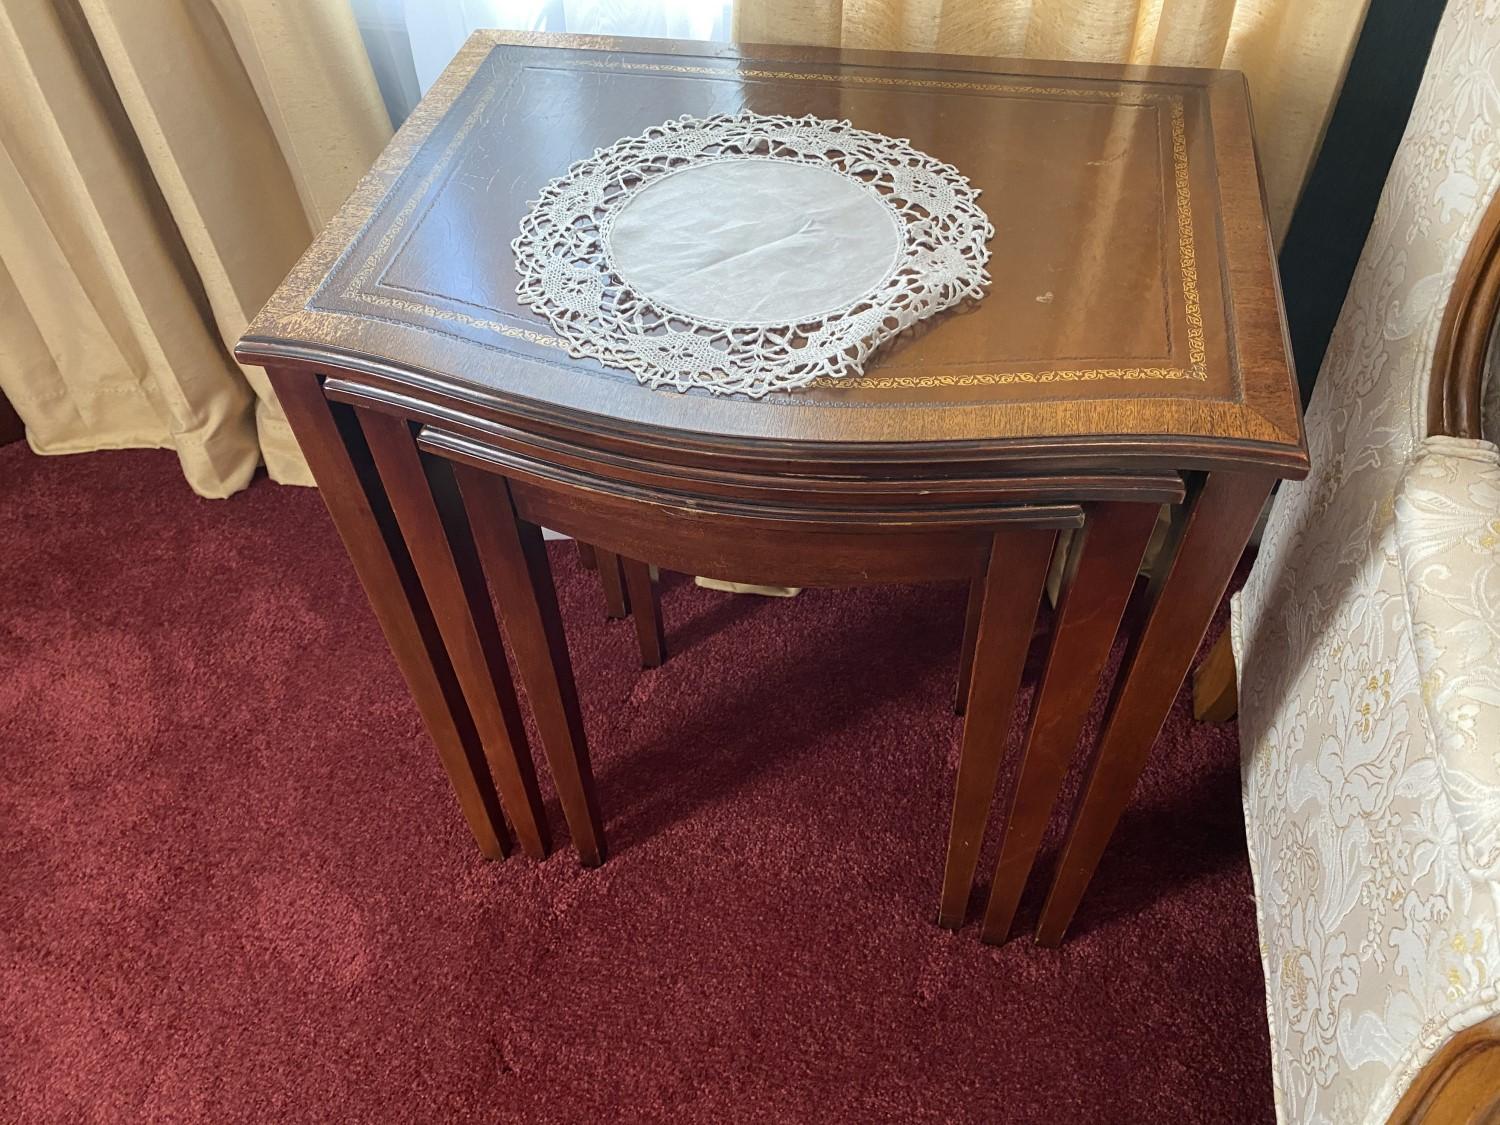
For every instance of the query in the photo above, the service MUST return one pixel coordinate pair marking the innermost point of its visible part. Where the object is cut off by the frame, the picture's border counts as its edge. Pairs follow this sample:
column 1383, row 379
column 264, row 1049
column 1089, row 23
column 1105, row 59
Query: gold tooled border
column 1187, row 258
column 862, row 79
column 1186, row 249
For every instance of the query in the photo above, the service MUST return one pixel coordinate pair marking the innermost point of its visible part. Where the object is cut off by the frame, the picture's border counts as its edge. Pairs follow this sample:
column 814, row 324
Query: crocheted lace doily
column 746, row 254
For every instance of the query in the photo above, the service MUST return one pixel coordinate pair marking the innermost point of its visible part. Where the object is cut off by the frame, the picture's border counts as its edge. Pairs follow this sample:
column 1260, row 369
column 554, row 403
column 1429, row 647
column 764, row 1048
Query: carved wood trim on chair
column 1460, row 1085
column 1455, row 386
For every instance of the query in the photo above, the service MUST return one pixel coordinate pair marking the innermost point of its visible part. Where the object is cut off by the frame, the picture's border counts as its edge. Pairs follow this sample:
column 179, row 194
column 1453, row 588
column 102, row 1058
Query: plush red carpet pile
column 234, row 886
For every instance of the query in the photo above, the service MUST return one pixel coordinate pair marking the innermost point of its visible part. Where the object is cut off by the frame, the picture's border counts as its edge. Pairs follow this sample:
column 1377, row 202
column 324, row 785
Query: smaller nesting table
column 1131, row 353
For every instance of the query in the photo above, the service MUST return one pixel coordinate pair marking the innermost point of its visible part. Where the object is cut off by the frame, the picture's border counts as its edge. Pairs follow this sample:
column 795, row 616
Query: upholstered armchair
column 1368, row 644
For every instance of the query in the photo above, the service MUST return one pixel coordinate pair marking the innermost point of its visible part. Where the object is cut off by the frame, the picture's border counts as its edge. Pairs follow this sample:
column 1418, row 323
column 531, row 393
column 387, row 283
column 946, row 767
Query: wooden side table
column 1130, row 353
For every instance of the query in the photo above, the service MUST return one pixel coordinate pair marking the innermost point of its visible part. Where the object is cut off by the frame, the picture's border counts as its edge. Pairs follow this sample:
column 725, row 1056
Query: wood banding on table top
column 1134, row 322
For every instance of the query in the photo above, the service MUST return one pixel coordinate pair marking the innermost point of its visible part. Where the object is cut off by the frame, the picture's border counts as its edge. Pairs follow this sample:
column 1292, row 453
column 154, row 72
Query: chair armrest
column 1448, row 540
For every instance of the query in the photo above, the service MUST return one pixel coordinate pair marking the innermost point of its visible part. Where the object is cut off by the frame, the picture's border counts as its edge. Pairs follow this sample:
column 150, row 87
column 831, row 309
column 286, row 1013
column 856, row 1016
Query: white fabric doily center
column 755, row 240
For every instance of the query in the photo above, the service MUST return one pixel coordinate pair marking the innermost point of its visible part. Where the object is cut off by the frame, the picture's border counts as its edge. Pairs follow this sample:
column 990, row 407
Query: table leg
column 335, row 450
column 645, row 606
column 616, row 604
column 638, row 591
column 515, row 557
column 966, row 654
column 1097, row 581
column 443, row 549
column 1215, row 689
column 1186, row 587
column 1013, row 582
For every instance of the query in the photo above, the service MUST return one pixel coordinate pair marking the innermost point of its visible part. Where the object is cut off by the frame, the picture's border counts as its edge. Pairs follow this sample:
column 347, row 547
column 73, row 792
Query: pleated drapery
column 1294, row 52
column 162, row 164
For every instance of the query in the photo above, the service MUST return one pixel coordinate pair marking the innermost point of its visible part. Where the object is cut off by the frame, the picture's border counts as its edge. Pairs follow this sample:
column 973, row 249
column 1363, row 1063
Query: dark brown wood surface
column 1133, row 333
column 1216, row 695
column 1133, row 321
column 796, row 545
column 1101, row 569
column 616, row 598
column 1455, row 387
column 966, row 650
column 1009, row 545
column 1189, row 580
column 342, row 466
column 645, row 607
column 1015, row 573
column 515, row 558
column 1460, row 1084
column 448, row 564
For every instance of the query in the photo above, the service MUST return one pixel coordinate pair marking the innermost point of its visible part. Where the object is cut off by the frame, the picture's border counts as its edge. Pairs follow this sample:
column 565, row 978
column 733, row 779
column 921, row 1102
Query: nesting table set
column 455, row 393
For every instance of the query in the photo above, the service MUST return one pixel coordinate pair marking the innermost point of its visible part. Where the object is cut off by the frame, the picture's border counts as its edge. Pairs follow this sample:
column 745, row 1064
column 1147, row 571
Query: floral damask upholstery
column 1448, row 536
column 1368, row 643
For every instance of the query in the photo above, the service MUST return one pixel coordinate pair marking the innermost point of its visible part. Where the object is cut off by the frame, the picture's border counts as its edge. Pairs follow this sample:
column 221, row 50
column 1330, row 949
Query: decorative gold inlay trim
column 355, row 291
column 1186, row 248
column 1002, row 378
column 1187, row 254
column 869, row 79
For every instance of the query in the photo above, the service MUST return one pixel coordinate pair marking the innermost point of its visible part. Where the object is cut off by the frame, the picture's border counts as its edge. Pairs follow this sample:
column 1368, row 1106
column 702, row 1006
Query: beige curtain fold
column 1294, row 52
column 162, row 164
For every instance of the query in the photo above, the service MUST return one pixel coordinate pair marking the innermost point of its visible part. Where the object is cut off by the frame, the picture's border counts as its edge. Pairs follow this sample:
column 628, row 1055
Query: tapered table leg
column 1185, row 590
column 645, row 607
column 966, row 654
column 1013, row 583
column 340, row 462
column 443, row 550
column 515, row 557
column 586, row 557
column 616, row 604
column 1215, row 689
column 1101, row 567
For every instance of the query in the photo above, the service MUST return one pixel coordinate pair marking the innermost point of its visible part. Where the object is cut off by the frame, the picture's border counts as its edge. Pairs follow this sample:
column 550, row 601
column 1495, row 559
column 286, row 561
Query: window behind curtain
column 410, row 41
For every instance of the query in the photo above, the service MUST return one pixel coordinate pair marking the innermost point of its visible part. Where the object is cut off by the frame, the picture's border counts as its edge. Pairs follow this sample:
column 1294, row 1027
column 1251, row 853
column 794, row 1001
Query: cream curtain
column 1294, row 52
column 162, row 164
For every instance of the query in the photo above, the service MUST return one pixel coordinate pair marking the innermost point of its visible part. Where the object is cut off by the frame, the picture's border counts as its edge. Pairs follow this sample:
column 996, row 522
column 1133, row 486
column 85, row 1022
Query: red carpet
column 235, row 886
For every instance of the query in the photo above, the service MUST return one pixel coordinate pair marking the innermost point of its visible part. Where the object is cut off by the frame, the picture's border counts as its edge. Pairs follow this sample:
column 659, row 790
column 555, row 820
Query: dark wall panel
column 1333, row 217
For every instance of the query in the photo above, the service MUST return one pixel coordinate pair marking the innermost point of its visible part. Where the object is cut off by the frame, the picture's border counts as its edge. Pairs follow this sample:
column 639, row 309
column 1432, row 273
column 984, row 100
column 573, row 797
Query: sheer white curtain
column 410, row 41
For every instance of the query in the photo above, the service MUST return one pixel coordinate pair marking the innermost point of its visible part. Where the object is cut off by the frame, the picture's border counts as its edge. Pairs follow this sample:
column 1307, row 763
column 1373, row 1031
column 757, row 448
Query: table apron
column 750, row 542
column 908, row 484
